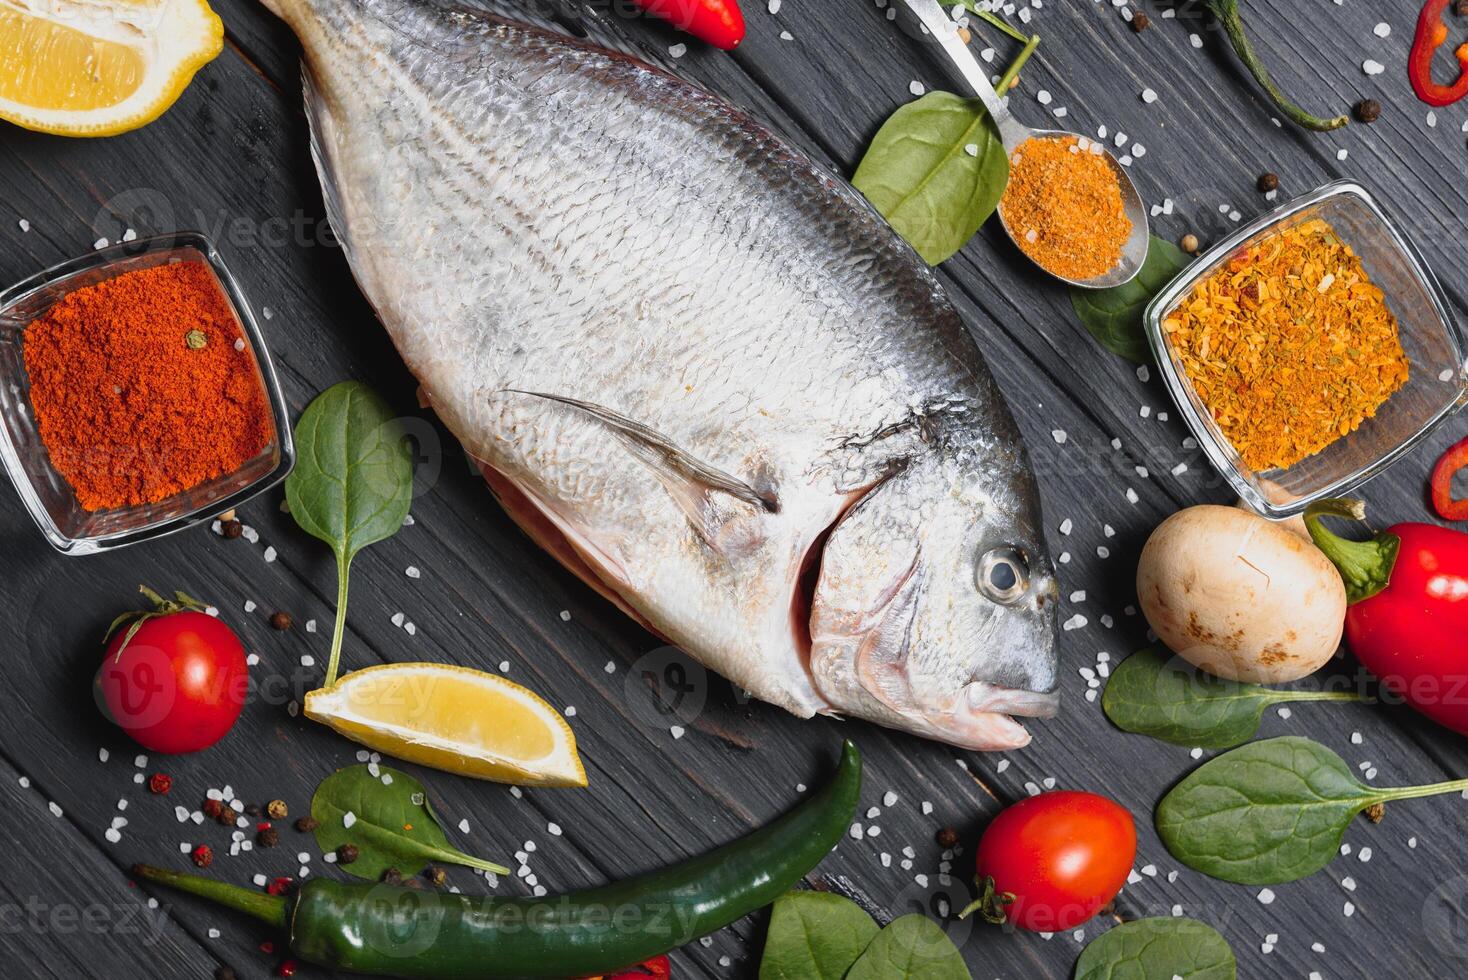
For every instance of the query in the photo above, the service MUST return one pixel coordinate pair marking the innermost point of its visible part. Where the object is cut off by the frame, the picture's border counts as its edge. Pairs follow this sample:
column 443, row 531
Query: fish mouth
column 864, row 671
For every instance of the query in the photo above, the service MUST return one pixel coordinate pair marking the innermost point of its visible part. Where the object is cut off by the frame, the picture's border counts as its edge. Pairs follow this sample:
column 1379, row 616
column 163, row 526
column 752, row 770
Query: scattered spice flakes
column 1289, row 345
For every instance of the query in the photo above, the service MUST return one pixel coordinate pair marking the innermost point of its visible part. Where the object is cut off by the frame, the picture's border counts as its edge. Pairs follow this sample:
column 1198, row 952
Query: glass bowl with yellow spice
column 1309, row 350
column 136, row 394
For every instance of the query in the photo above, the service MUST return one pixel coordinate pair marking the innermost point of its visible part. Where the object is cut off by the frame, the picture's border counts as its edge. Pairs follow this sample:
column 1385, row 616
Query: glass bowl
column 1437, row 383
column 47, row 496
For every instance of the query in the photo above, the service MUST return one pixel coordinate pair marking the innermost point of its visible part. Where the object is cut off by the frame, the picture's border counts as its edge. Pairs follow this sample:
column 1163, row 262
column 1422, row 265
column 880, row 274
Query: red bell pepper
column 718, row 22
column 1448, row 507
column 1432, row 33
column 1407, row 618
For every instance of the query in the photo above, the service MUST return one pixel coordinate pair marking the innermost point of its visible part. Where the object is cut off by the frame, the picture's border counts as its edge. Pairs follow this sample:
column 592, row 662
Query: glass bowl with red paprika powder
column 137, row 396
column 1309, row 350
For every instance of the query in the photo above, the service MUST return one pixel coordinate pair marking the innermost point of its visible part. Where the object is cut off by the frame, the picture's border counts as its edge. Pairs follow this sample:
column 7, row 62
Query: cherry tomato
column 1055, row 859
column 179, row 683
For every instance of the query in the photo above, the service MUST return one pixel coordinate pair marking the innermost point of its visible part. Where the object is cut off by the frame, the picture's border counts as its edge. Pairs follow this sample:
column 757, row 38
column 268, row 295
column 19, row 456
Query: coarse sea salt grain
column 1059, row 436
column 1149, row 96
column 1382, row 30
column 916, row 87
column 677, row 50
column 1266, row 896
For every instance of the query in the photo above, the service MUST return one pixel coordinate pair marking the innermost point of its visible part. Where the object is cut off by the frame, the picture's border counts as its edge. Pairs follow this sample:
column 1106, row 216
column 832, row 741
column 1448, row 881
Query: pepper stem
column 270, row 909
column 990, row 905
column 1227, row 12
column 1365, row 566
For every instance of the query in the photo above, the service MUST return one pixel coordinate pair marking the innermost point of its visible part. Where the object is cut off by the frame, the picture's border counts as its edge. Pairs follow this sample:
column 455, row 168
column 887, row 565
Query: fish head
column 934, row 606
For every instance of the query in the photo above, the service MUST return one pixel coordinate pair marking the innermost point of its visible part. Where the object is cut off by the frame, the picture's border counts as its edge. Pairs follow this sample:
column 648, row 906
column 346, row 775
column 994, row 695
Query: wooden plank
column 234, row 148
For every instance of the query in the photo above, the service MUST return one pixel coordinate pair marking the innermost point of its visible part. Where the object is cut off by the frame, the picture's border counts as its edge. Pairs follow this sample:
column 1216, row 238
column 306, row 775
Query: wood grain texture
column 230, row 159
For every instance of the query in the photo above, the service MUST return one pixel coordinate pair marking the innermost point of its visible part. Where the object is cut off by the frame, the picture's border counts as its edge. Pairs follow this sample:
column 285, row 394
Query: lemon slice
column 455, row 719
column 100, row 67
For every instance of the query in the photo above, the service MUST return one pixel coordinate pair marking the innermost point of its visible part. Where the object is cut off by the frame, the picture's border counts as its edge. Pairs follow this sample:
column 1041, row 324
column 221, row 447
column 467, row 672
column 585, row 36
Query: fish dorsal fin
column 689, row 480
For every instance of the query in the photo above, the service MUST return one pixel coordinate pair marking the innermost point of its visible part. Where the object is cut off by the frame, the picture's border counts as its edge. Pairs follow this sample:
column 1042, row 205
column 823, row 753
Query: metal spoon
column 1013, row 133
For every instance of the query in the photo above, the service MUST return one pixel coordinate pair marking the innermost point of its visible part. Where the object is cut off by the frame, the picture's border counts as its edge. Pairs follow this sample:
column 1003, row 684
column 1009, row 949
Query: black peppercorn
column 307, row 824
column 1140, row 22
column 252, row 809
column 231, row 529
column 267, row 837
column 281, row 620
column 1368, row 110
column 392, row 876
column 224, row 973
column 947, row 837
column 227, row 816
column 347, row 853
column 1268, row 182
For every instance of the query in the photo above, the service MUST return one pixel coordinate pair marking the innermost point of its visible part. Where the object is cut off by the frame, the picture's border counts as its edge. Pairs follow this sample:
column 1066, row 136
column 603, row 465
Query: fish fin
column 319, row 125
column 690, row 481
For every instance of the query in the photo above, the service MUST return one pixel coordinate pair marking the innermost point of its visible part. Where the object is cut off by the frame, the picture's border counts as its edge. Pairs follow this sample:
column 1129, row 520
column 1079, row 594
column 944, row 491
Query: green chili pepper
column 387, row 929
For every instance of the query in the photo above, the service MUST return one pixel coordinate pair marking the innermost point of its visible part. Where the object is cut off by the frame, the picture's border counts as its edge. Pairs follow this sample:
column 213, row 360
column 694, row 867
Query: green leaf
column 1269, row 812
column 353, row 481
column 392, row 824
column 1158, row 948
column 912, row 947
column 1154, row 692
column 814, row 936
column 1114, row 316
column 920, row 175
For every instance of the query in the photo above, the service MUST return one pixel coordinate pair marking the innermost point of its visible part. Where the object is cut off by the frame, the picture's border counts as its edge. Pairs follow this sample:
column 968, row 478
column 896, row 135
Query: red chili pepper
column 656, row 968
column 1447, row 506
column 160, row 783
column 1432, row 33
column 279, row 886
column 719, row 22
column 1407, row 621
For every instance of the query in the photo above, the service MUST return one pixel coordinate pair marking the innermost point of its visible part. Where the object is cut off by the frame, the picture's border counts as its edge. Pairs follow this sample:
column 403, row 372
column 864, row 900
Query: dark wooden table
column 231, row 160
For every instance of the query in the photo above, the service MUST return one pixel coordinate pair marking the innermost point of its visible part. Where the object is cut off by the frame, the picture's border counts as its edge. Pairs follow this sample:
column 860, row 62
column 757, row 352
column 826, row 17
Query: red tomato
column 179, row 684
column 1062, row 855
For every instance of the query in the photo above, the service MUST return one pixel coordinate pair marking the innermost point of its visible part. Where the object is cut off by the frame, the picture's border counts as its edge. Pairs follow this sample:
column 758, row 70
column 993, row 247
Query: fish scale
column 698, row 369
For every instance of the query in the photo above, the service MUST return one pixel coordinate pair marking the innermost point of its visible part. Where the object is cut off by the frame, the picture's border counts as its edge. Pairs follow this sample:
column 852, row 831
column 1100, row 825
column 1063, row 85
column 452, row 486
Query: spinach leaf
column 1154, row 692
column 912, row 947
column 1114, row 316
column 814, row 936
column 353, row 481
column 1162, row 947
column 1269, row 812
column 391, row 823
column 935, row 170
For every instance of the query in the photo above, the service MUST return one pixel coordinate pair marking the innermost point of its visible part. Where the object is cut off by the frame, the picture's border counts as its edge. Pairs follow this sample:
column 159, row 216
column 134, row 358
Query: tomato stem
column 990, row 905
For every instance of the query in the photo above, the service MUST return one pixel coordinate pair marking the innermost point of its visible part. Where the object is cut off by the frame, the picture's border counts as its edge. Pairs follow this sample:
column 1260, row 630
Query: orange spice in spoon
column 1063, row 206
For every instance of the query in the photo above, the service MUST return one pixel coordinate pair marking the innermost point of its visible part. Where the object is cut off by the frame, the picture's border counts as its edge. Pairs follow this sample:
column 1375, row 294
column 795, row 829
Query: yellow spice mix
column 1290, row 345
column 1063, row 206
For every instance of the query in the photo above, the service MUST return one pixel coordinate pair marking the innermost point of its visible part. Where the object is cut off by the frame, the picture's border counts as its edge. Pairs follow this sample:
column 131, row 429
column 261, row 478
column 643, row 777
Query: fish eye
column 1003, row 574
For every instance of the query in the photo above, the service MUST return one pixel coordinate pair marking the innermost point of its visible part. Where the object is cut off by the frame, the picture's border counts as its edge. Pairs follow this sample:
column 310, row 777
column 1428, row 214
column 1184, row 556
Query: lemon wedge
column 100, row 67
column 455, row 719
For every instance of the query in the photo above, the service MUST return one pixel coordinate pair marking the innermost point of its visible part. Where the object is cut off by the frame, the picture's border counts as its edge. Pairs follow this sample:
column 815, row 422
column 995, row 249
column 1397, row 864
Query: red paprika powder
column 143, row 386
